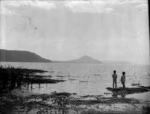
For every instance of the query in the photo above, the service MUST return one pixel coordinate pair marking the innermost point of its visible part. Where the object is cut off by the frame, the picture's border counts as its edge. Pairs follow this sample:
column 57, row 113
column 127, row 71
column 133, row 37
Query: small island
column 83, row 59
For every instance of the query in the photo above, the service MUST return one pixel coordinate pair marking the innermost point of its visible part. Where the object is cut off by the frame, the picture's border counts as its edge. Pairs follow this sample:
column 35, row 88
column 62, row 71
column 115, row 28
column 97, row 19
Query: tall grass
column 11, row 77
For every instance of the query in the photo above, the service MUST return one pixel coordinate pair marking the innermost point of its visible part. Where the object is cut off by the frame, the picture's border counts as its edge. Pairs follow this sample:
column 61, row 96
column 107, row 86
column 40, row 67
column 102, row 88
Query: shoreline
column 23, row 101
column 20, row 100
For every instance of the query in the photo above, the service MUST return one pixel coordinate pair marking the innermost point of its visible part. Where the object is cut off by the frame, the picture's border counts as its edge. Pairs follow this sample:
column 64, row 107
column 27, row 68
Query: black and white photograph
column 74, row 57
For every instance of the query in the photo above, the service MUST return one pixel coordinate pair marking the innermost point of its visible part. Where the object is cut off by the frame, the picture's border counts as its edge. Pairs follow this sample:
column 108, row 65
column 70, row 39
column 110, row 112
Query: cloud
column 5, row 11
column 88, row 6
column 102, row 6
column 143, row 7
column 5, row 4
column 139, row 4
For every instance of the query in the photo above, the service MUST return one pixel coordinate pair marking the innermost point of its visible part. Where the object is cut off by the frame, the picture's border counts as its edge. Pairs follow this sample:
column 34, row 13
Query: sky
column 107, row 30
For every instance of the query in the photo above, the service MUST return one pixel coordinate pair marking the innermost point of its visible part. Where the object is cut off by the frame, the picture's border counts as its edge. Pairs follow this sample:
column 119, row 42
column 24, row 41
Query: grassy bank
column 11, row 77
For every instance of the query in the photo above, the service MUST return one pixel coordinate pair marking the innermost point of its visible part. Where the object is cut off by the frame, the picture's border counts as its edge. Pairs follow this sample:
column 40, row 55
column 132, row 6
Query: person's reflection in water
column 123, row 95
column 39, row 85
column 31, row 87
column 115, row 95
column 46, row 85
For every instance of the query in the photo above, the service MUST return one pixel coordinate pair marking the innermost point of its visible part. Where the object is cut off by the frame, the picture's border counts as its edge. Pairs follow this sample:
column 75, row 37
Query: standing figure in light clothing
column 114, row 76
column 123, row 79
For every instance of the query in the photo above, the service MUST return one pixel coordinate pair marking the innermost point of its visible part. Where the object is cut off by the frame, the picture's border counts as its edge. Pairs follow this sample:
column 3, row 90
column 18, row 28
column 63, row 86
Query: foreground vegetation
column 65, row 103
column 11, row 77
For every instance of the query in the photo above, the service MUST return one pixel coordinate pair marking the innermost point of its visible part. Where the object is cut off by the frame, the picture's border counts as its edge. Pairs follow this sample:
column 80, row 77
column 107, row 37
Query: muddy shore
column 20, row 101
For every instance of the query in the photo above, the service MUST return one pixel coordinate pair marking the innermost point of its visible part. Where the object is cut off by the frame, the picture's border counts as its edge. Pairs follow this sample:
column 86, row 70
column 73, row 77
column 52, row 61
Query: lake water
column 88, row 79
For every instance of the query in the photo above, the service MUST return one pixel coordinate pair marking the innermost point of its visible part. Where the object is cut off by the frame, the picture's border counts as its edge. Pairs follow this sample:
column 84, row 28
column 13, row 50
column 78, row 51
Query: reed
column 11, row 77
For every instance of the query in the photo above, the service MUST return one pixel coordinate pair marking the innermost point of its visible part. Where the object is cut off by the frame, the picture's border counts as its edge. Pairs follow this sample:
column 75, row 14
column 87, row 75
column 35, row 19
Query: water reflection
column 115, row 95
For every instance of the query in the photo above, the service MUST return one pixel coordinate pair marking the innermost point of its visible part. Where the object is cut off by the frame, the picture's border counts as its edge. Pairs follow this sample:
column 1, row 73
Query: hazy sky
column 64, row 29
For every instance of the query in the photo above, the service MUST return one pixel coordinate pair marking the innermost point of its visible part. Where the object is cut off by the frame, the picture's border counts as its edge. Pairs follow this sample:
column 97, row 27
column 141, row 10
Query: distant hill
column 83, row 59
column 20, row 56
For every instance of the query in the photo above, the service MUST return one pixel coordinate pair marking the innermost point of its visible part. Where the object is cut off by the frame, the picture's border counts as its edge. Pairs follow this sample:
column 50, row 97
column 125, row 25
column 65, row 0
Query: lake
column 88, row 79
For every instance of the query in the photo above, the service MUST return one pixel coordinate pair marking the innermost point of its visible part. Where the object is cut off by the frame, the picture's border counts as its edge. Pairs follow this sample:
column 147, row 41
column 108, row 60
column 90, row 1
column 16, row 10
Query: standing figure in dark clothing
column 114, row 76
column 123, row 78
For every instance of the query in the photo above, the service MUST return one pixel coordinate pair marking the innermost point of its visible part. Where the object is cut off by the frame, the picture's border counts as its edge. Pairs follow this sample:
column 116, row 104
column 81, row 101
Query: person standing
column 123, row 78
column 114, row 76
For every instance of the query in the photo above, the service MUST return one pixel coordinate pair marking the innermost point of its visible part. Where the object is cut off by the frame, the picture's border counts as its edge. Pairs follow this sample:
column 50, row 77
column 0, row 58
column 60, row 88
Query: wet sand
column 22, row 101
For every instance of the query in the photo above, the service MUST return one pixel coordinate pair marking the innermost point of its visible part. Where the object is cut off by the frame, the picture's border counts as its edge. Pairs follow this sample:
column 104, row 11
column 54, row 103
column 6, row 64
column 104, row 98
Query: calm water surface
column 88, row 79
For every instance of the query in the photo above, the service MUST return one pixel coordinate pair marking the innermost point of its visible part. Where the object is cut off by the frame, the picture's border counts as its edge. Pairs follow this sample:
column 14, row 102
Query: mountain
column 20, row 56
column 83, row 59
